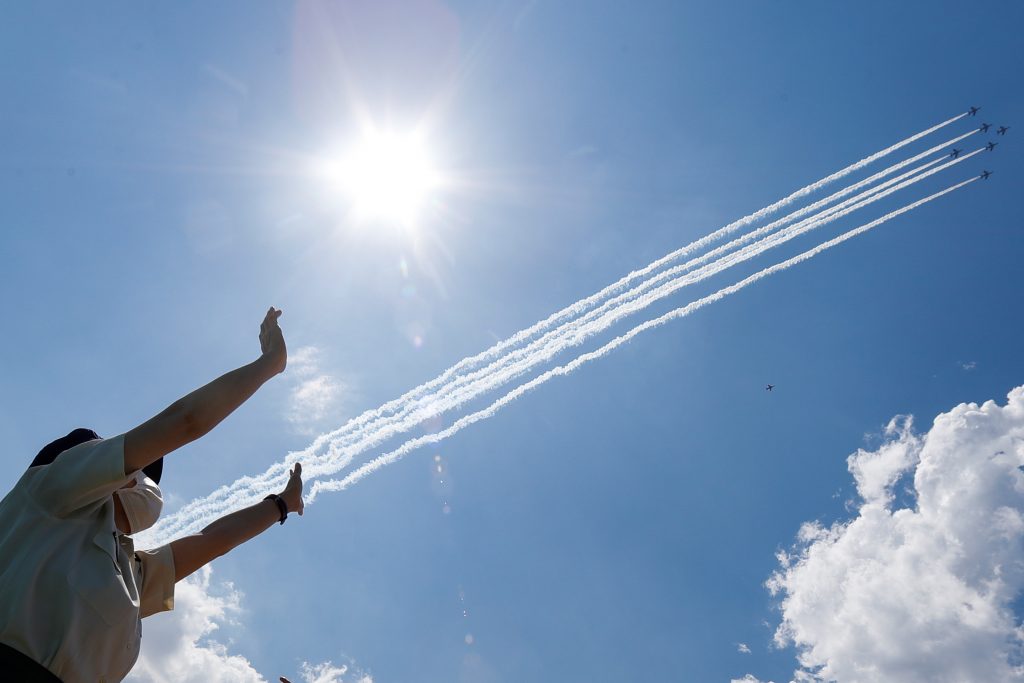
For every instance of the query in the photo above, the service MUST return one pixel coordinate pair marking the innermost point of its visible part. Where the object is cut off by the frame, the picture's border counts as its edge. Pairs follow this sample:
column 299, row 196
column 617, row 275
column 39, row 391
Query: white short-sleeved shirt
column 73, row 590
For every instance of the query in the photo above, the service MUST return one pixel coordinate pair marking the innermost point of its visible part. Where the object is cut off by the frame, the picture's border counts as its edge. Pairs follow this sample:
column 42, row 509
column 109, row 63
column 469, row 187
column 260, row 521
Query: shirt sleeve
column 81, row 475
column 156, row 585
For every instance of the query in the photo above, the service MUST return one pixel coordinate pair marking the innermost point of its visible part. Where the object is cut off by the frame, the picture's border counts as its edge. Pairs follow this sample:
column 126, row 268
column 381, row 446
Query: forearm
column 208, row 405
column 221, row 536
column 192, row 416
column 232, row 530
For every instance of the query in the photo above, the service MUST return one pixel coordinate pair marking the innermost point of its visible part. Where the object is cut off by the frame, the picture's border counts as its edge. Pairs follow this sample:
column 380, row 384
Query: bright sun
column 386, row 177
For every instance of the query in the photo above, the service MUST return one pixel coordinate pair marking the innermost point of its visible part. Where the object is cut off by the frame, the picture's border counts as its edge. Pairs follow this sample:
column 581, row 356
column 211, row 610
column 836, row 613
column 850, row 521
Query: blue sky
column 616, row 524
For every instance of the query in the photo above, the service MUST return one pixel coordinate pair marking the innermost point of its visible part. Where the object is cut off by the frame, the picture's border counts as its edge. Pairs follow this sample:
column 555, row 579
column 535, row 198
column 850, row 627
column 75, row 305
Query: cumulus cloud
column 327, row 672
column 176, row 645
column 748, row 679
column 316, row 395
column 743, row 648
column 920, row 591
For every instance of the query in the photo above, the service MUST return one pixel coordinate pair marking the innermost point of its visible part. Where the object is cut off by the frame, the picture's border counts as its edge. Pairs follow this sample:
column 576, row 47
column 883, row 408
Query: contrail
column 338, row 456
column 575, row 331
column 388, row 458
column 583, row 304
column 614, row 310
column 418, row 395
column 341, row 452
column 226, row 496
column 200, row 517
column 415, row 398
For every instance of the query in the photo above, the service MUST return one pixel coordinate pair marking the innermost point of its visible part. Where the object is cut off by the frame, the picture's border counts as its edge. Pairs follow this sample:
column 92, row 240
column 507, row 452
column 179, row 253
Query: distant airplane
column 955, row 153
column 1002, row 130
column 769, row 387
column 974, row 110
column 984, row 127
column 985, row 175
column 991, row 146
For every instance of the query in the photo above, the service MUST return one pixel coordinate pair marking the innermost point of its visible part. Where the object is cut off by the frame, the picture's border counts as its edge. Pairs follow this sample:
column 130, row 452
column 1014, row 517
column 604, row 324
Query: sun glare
column 385, row 177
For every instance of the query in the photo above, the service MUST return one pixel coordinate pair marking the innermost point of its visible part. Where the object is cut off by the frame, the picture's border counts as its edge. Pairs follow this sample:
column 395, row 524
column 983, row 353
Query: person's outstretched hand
column 292, row 493
column 275, row 353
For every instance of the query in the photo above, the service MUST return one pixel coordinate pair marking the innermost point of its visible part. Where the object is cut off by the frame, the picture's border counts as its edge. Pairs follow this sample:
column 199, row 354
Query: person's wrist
column 293, row 505
column 280, row 505
column 267, row 367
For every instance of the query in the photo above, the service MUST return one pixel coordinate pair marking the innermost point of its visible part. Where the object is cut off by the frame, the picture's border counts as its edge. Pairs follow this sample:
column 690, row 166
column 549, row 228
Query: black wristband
column 281, row 505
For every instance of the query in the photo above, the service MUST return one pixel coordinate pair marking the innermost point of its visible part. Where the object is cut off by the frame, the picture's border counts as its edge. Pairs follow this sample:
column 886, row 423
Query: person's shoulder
column 19, row 501
column 27, row 477
column 79, row 477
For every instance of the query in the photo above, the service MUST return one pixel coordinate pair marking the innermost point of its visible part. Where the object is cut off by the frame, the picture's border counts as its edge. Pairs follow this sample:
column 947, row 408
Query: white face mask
column 142, row 503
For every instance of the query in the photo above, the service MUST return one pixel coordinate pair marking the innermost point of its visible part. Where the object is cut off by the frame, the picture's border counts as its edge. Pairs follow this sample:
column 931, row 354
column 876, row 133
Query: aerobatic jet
column 991, row 146
column 974, row 110
column 1002, row 130
column 769, row 387
column 955, row 153
column 984, row 127
column 985, row 175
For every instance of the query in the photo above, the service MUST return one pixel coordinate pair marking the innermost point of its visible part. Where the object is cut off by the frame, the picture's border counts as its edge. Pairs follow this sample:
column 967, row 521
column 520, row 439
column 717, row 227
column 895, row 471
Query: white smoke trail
column 461, row 423
column 581, row 305
column 418, row 398
column 575, row 333
column 227, row 496
column 197, row 522
column 339, row 456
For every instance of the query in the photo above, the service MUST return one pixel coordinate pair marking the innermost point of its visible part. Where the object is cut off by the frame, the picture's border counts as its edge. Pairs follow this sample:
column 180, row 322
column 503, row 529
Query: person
column 73, row 588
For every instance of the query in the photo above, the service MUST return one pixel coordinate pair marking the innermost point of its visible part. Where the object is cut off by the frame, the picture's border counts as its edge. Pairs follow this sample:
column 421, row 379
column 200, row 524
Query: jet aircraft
column 984, row 127
column 1002, row 130
column 955, row 153
column 985, row 175
column 769, row 387
column 991, row 146
column 974, row 110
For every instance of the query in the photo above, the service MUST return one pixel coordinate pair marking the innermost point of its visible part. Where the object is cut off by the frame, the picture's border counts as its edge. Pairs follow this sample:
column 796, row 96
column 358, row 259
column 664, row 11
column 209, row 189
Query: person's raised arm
column 194, row 415
column 232, row 530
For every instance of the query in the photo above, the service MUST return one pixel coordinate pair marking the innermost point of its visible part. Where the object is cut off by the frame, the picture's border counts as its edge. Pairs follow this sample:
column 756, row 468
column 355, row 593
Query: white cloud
column 176, row 645
column 316, row 395
column 743, row 648
column 327, row 672
column 921, row 593
column 875, row 472
column 748, row 679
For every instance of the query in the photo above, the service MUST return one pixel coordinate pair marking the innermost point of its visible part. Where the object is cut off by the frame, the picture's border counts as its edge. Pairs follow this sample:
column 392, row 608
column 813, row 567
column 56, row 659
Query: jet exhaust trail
column 340, row 453
column 414, row 402
column 388, row 458
column 192, row 516
column 583, row 304
column 575, row 331
column 617, row 314
column 419, row 397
